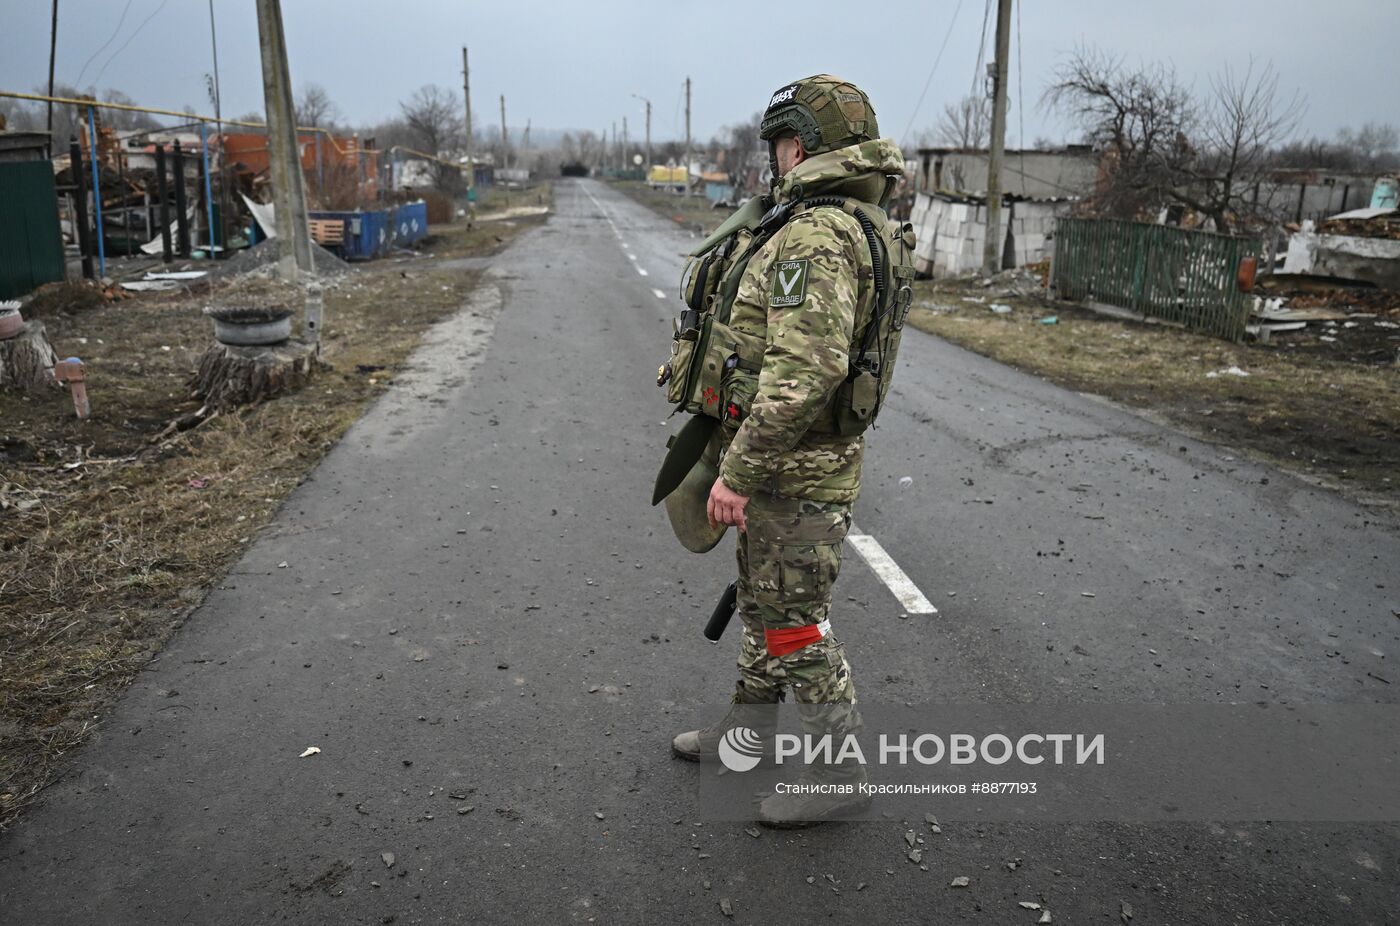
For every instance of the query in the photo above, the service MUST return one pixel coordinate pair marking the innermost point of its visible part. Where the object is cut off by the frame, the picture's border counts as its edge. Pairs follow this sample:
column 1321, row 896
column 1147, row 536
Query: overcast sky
column 575, row 64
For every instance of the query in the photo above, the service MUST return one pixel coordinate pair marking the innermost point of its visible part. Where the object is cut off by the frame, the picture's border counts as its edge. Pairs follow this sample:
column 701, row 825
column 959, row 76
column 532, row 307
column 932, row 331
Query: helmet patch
column 783, row 96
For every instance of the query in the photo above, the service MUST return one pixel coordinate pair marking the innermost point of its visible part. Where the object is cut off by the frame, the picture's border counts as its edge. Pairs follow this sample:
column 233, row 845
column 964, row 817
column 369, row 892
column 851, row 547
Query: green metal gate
column 1185, row 277
column 31, row 251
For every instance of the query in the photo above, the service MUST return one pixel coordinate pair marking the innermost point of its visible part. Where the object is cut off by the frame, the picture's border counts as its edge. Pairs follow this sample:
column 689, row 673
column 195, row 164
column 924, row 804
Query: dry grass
column 1333, row 420
column 695, row 213
column 110, row 538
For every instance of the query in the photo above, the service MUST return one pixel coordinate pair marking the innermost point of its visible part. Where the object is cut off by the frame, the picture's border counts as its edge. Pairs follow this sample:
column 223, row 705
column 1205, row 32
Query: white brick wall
column 950, row 233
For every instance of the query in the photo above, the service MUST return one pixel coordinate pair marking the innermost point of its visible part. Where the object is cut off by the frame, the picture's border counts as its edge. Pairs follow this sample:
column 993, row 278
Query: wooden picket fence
column 1178, row 276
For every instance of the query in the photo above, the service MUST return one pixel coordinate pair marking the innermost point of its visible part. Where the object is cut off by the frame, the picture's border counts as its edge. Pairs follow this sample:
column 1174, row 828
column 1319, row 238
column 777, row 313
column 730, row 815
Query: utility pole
column 626, row 161
column 991, row 248
column 648, row 102
column 614, row 145
column 687, row 135
column 282, row 146
column 219, row 122
column 525, row 147
column 505, row 140
column 53, row 50
column 467, row 94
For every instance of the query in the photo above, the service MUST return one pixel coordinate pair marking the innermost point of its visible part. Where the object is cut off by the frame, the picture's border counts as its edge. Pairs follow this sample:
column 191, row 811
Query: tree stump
column 27, row 359
column 230, row 375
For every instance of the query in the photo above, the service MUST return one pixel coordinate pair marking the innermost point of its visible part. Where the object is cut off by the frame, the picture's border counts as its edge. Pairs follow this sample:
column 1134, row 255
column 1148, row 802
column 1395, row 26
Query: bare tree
column 19, row 116
column 68, row 121
column 315, row 108
column 1243, row 122
column 122, row 119
column 1163, row 147
column 966, row 123
column 1374, row 145
column 738, row 143
column 591, row 148
column 1139, row 119
column 432, row 118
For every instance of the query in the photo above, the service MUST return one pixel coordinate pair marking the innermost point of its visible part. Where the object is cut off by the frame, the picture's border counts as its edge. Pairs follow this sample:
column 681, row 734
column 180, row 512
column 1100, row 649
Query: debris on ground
column 1319, row 400
column 261, row 259
column 71, row 297
column 108, row 560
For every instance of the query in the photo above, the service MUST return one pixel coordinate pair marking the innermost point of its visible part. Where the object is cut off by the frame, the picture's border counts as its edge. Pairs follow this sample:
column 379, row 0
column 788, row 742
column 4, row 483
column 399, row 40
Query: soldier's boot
column 747, row 711
column 817, row 799
column 825, row 791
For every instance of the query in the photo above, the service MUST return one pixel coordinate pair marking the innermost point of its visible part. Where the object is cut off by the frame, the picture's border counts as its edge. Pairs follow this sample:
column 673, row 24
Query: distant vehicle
column 667, row 178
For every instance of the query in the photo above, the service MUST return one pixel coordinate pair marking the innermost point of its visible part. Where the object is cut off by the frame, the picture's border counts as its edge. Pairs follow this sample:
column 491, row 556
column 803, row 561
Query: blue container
column 367, row 234
column 410, row 224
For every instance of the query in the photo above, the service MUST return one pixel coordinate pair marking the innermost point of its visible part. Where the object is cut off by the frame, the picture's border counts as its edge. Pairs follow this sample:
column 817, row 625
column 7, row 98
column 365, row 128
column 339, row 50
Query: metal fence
column 1171, row 274
column 31, row 251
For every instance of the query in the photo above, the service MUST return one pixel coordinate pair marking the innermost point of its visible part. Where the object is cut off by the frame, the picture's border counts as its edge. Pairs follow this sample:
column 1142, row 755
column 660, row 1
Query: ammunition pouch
column 708, row 364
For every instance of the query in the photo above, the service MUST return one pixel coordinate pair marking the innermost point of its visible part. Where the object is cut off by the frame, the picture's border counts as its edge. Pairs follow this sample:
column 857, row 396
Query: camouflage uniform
column 798, row 301
column 801, row 483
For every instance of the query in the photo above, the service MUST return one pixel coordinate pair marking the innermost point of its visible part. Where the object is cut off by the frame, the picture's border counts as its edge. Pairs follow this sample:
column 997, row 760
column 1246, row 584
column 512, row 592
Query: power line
column 981, row 51
column 110, row 39
column 128, row 40
column 929, row 79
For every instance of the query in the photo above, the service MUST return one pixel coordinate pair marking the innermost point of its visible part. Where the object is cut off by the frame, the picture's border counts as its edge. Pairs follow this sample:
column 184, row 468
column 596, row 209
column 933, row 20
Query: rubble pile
column 1351, row 322
column 261, row 260
column 1384, row 225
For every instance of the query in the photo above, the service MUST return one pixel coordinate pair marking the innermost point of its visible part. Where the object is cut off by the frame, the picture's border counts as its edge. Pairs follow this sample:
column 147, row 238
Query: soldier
column 787, row 476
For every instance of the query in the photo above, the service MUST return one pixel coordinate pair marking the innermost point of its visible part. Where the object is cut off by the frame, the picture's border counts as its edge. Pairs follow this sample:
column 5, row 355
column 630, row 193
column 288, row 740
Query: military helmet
column 825, row 112
column 688, row 506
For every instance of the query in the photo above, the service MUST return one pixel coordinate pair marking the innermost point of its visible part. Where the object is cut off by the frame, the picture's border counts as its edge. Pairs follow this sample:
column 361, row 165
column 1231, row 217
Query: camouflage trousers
column 789, row 558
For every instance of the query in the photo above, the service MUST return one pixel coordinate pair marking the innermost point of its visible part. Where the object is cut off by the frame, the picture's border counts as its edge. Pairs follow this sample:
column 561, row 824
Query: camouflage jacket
column 799, row 294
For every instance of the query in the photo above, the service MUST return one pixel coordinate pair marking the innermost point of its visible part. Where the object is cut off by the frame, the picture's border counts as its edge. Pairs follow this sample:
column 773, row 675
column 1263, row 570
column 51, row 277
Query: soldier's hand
column 726, row 506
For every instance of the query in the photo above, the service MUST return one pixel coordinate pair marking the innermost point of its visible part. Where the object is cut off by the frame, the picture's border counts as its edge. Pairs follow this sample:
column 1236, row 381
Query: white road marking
column 888, row 571
column 627, row 248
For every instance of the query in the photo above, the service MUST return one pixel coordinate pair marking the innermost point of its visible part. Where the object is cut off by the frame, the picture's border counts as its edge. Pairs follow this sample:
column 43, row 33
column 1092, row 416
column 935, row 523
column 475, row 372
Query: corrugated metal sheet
column 31, row 251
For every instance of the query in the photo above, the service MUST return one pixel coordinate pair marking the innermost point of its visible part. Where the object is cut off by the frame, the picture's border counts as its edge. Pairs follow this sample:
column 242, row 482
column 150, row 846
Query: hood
column 857, row 171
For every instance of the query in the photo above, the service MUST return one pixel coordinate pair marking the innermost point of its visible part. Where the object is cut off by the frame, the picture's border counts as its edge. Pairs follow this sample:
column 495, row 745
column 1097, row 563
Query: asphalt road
column 472, row 597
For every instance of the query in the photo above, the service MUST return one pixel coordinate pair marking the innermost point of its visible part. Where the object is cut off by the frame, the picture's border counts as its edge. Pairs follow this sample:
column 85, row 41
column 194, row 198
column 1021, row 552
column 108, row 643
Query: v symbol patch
column 789, row 282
